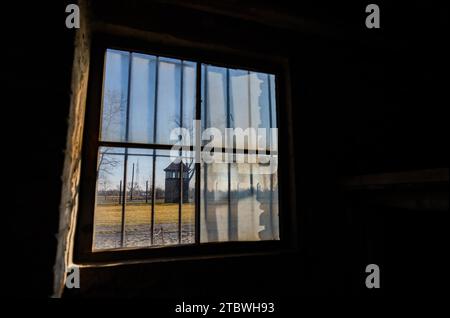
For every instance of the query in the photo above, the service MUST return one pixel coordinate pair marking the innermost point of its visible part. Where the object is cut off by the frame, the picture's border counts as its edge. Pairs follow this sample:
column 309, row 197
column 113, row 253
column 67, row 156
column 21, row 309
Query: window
column 144, row 187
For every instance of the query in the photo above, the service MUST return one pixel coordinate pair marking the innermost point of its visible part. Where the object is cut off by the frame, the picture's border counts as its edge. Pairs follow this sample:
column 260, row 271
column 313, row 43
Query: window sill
column 189, row 252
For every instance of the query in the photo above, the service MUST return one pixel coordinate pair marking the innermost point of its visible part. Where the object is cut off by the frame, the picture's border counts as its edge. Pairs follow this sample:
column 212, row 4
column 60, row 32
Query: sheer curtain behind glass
column 239, row 200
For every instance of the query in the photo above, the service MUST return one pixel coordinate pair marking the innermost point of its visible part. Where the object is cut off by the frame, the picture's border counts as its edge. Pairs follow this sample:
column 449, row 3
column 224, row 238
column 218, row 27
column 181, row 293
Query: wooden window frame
column 279, row 66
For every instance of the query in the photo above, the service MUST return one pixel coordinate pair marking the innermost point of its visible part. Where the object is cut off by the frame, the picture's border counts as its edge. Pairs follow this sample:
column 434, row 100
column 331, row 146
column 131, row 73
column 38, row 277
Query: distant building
column 172, row 184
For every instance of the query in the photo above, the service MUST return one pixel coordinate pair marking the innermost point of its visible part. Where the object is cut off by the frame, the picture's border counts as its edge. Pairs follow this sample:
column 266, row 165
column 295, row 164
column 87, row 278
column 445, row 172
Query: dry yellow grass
column 111, row 214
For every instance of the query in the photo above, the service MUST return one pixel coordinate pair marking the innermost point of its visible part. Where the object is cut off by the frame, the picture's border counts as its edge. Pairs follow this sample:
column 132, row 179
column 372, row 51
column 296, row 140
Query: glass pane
column 266, row 194
column 214, row 203
column 167, row 199
column 250, row 106
column 275, row 207
column 108, row 207
column 240, row 99
column 138, row 199
column 115, row 91
column 142, row 98
column 215, row 100
column 188, row 206
column 169, row 99
column 239, row 201
column 260, row 106
column 273, row 100
column 244, row 222
column 189, row 90
column 273, row 113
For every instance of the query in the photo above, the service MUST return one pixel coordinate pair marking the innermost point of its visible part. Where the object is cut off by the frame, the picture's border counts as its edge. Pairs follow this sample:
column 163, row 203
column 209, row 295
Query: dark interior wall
column 36, row 76
column 364, row 101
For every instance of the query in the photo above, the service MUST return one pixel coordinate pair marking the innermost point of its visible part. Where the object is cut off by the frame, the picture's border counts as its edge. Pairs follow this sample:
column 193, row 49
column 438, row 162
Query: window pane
column 273, row 113
column 266, row 194
column 261, row 105
column 239, row 202
column 138, row 199
column 214, row 202
column 108, row 207
column 240, row 99
column 250, row 105
column 167, row 198
column 188, row 206
column 259, row 100
column 169, row 102
column 275, row 207
column 142, row 98
column 115, row 91
column 189, row 90
column 215, row 99
column 245, row 212
column 250, row 203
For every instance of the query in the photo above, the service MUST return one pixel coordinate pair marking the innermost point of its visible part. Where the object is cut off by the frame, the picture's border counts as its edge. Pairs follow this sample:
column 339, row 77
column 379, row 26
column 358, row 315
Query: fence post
column 120, row 192
column 132, row 184
column 146, row 191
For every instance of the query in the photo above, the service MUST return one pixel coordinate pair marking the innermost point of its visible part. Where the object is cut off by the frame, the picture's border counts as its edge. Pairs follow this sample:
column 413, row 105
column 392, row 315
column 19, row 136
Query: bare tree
column 113, row 105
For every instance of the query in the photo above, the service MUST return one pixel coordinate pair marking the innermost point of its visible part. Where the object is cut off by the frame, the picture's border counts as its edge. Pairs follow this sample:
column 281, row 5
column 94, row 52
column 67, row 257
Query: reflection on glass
column 115, row 91
column 138, row 200
column 142, row 98
column 108, row 205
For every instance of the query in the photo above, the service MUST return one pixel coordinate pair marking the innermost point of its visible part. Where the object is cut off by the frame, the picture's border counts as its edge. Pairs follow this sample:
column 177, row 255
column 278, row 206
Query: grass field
column 140, row 213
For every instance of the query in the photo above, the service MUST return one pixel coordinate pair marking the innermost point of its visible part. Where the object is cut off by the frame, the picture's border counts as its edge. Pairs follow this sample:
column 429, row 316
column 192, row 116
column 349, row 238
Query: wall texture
column 72, row 155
